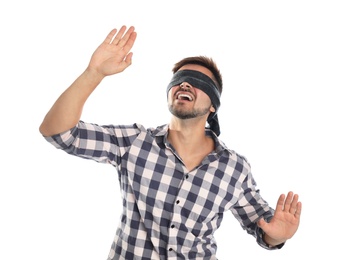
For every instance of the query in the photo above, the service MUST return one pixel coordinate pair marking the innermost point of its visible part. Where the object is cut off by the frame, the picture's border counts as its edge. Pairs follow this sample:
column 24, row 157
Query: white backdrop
column 282, row 106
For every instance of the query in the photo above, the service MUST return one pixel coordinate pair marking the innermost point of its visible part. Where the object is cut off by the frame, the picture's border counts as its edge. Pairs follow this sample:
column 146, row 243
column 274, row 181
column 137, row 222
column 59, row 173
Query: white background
column 282, row 107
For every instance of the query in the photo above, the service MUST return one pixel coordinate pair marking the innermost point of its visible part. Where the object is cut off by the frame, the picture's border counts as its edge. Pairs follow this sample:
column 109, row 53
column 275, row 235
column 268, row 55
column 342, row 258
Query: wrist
column 93, row 74
column 271, row 242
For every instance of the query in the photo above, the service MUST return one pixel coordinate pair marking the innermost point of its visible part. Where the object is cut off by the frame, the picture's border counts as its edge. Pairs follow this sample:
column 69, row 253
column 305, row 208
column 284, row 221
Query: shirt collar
column 161, row 133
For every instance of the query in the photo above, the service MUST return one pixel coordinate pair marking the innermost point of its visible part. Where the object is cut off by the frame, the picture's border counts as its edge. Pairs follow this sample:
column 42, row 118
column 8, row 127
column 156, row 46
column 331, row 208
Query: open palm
column 113, row 55
column 286, row 219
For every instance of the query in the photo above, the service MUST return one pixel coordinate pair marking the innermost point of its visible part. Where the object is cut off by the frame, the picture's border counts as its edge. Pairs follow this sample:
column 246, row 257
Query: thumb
column 262, row 223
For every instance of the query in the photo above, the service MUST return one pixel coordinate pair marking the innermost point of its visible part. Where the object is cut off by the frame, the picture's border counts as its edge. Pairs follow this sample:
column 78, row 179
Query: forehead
column 199, row 68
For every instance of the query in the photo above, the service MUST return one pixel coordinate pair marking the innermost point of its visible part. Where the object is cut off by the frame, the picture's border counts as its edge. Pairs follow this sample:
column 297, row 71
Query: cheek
column 171, row 92
column 170, row 95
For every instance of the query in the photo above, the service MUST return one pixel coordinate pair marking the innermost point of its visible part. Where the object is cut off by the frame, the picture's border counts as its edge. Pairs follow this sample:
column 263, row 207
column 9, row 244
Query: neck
column 189, row 140
column 188, row 131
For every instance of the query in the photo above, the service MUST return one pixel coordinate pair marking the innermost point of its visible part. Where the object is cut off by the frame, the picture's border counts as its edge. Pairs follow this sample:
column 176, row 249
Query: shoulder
column 233, row 154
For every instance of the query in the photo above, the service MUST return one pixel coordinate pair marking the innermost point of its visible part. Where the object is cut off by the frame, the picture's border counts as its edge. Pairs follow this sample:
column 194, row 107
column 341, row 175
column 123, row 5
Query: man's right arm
column 67, row 109
column 111, row 57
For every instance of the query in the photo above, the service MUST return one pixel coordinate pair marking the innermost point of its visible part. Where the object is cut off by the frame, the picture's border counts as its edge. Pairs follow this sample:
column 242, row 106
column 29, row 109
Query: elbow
column 43, row 130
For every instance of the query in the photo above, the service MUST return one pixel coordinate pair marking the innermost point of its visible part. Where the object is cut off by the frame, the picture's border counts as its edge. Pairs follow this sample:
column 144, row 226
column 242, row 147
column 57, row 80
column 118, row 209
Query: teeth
column 185, row 96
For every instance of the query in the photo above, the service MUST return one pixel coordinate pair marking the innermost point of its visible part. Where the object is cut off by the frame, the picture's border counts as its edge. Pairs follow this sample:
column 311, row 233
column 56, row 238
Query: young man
column 178, row 179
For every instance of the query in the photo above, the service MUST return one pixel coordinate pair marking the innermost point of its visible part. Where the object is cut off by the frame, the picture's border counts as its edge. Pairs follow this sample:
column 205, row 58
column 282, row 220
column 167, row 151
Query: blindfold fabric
column 206, row 84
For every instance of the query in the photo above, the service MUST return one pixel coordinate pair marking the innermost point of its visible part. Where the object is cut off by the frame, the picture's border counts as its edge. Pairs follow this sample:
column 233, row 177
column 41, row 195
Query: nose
column 185, row 85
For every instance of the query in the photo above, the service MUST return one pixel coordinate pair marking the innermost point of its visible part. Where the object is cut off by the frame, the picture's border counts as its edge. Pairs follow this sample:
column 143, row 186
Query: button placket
column 173, row 228
column 176, row 216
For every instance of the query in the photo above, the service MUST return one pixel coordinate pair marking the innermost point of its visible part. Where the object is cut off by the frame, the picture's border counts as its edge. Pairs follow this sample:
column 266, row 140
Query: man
column 178, row 179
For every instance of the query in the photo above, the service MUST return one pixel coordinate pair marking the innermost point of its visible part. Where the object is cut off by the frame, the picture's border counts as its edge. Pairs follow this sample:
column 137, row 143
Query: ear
column 212, row 109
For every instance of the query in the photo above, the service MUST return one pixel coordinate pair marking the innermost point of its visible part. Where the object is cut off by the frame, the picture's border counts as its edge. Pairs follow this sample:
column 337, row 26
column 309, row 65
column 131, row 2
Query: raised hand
column 285, row 221
column 113, row 55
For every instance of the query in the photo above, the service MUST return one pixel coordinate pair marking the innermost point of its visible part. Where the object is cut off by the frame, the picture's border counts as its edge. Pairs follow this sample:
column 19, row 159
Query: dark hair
column 205, row 62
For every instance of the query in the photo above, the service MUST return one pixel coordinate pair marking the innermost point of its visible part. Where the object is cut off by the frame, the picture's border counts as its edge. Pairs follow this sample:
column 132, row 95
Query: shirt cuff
column 262, row 243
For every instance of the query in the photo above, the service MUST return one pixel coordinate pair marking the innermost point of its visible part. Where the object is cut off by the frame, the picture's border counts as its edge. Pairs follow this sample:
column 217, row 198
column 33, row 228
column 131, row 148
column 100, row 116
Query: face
column 186, row 101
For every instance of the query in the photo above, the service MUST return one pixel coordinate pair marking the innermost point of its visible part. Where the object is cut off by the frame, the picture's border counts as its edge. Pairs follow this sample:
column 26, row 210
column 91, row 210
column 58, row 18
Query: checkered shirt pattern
column 168, row 211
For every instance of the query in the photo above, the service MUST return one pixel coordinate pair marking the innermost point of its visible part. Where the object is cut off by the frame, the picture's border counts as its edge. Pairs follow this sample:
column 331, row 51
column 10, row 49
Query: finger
column 110, row 36
column 280, row 203
column 128, row 59
column 293, row 205
column 130, row 42
column 298, row 210
column 128, row 35
column 287, row 202
column 115, row 40
column 262, row 223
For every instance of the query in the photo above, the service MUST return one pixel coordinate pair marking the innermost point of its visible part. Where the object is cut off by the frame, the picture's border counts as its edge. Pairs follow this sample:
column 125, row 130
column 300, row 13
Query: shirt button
column 186, row 176
column 172, row 226
column 177, row 201
column 170, row 249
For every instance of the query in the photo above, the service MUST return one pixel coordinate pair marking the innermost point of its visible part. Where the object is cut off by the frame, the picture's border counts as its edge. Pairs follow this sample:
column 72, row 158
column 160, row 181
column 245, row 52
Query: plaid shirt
column 168, row 211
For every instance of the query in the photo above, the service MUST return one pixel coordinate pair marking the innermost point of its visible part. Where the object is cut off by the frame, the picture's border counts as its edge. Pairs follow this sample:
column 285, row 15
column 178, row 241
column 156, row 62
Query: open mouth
column 184, row 96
